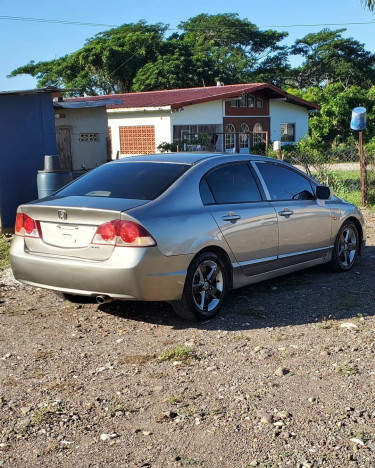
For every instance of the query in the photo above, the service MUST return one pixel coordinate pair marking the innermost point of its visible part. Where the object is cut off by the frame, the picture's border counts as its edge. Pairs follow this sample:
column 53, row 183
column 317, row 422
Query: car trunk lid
column 67, row 225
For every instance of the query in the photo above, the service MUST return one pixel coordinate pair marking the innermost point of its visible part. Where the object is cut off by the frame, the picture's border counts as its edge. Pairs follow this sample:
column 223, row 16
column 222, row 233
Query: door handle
column 231, row 217
column 285, row 212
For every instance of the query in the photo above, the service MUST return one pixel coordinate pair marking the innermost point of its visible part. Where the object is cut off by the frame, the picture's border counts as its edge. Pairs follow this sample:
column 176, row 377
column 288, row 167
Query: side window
column 284, row 183
column 206, row 194
column 232, row 183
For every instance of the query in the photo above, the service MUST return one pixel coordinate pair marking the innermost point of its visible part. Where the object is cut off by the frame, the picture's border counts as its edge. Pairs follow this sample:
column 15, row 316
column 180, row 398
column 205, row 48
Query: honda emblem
column 62, row 215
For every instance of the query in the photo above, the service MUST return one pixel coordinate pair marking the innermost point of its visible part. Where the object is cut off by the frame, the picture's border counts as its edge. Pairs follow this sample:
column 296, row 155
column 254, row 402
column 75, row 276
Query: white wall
column 86, row 120
column 284, row 112
column 159, row 119
column 207, row 113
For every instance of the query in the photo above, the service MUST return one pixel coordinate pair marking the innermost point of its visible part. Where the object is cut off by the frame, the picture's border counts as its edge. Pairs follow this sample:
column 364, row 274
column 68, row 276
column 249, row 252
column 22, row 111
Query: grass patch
column 347, row 185
column 5, row 241
column 11, row 311
column 137, row 359
column 179, row 353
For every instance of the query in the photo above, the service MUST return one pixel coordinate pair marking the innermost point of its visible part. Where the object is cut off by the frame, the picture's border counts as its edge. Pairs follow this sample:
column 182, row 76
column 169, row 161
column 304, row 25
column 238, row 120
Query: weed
column 5, row 240
column 173, row 400
column 137, row 359
column 44, row 415
column 179, row 353
column 43, row 354
column 191, row 462
column 115, row 406
column 12, row 311
column 347, row 369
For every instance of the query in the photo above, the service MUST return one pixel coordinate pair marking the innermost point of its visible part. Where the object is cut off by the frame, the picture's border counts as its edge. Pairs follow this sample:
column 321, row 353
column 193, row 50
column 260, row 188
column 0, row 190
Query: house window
column 89, row 137
column 229, row 137
column 244, row 136
column 243, row 101
column 257, row 135
column 260, row 102
column 288, row 132
column 234, row 103
column 250, row 101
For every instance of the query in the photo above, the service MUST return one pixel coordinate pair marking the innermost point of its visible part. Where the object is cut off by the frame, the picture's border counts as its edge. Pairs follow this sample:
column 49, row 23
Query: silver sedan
column 183, row 228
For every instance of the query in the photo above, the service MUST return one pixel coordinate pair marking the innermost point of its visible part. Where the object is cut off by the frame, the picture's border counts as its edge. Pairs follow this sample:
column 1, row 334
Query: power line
column 55, row 21
column 80, row 23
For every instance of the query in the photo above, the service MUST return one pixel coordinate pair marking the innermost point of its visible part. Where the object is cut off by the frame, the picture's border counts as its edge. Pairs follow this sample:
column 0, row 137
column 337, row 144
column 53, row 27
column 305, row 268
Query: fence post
column 362, row 168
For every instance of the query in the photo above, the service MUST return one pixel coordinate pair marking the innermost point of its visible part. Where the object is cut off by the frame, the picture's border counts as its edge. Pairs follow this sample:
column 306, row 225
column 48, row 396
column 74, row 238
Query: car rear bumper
column 130, row 273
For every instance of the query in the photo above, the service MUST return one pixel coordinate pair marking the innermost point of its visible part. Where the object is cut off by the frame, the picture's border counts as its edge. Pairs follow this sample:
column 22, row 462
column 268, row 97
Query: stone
column 281, row 371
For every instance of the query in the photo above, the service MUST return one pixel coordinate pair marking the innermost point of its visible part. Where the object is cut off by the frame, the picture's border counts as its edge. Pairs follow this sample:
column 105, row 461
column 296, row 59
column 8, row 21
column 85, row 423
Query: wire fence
column 339, row 169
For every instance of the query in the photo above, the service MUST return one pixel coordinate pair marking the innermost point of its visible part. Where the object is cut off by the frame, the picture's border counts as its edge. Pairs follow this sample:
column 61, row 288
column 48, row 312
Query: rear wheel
column 346, row 248
column 205, row 288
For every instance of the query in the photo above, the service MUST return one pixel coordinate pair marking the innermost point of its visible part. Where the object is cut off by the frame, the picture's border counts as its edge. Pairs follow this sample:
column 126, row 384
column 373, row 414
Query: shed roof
column 177, row 98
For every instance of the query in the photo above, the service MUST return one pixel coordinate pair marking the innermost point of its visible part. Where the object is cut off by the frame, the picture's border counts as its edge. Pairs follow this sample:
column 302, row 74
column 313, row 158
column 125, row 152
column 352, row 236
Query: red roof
column 176, row 98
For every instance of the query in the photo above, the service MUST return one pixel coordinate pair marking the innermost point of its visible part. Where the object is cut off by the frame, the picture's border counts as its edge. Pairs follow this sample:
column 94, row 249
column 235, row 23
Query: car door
column 304, row 222
column 247, row 221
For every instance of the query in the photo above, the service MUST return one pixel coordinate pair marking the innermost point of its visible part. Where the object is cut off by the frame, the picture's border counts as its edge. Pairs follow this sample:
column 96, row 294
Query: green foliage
column 4, row 251
column 331, row 124
column 179, row 353
column 166, row 147
column 107, row 63
column 330, row 58
column 138, row 57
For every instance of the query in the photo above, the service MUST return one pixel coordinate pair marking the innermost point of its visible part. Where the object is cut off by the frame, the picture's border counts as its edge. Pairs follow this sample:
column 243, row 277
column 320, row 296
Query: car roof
column 189, row 158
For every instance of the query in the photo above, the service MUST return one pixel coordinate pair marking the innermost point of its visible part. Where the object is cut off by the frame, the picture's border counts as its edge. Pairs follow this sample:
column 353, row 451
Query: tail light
column 26, row 226
column 123, row 234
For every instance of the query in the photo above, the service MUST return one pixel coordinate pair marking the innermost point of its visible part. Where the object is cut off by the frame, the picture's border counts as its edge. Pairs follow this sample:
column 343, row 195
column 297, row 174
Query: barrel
column 49, row 182
column 358, row 121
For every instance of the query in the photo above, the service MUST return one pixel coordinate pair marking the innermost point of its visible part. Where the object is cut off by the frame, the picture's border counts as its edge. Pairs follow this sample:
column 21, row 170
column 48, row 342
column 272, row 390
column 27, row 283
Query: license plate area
column 67, row 235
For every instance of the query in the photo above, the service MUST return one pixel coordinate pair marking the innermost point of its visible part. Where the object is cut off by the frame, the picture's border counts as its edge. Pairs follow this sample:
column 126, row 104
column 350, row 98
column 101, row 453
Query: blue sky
column 22, row 41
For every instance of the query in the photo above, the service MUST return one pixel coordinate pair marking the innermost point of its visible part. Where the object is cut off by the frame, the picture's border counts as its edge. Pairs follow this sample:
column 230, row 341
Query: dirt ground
column 284, row 376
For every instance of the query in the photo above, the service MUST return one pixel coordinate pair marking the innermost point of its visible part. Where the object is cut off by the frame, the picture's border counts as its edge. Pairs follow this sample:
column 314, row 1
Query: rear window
column 131, row 180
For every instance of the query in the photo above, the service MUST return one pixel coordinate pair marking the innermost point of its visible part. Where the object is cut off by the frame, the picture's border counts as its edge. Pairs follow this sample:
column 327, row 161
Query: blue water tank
column 52, row 178
column 358, row 121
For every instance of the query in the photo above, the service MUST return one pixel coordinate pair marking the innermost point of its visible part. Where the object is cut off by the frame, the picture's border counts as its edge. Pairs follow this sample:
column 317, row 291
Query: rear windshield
column 131, row 180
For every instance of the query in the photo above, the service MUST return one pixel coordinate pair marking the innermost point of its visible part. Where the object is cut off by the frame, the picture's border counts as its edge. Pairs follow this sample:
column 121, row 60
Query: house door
column 64, row 147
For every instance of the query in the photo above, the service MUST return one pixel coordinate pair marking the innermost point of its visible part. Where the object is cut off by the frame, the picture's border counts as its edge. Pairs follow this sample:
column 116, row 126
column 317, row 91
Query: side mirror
column 323, row 192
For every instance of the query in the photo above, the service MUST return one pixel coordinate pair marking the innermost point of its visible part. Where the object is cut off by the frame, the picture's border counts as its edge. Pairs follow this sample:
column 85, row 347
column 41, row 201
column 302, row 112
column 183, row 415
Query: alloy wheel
column 207, row 286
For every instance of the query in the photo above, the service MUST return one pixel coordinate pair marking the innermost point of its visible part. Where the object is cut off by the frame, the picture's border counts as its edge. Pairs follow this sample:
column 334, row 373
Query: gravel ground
column 284, row 376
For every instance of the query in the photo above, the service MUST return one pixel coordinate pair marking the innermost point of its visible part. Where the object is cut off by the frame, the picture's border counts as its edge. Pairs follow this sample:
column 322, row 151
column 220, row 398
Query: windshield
column 130, row 180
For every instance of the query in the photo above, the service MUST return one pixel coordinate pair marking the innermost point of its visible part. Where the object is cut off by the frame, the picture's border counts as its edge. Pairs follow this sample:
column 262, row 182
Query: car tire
column 346, row 248
column 205, row 288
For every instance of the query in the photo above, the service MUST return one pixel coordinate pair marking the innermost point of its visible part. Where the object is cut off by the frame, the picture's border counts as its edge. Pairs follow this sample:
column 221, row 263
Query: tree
column 330, row 58
column 236, row 48
column 370, row 4
column 137, row 57
column 107, row 63
column 331, row 124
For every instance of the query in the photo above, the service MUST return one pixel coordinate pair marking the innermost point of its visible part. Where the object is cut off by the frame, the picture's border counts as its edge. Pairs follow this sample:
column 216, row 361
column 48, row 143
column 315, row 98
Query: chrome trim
column 293, row 254
column 254, row 262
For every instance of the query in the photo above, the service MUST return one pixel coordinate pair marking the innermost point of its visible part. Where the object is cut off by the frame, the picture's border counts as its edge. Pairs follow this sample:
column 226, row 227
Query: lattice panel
column 89, row 137
column 137, row 140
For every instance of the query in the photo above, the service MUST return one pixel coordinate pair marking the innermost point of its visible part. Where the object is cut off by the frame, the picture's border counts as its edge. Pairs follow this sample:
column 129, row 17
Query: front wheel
column 346, row 248
column 205, row 288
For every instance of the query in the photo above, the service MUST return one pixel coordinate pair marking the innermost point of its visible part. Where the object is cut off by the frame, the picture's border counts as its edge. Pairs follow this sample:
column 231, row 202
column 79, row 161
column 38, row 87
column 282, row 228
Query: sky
column 24, row 40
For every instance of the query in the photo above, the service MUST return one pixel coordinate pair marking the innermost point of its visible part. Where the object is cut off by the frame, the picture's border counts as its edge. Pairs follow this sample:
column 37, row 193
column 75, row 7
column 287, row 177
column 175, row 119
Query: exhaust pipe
column 103, row 299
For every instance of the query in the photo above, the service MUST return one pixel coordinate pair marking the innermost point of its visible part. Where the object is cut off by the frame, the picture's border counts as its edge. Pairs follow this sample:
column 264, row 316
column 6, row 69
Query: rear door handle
column 285, row 212
column 231, row 217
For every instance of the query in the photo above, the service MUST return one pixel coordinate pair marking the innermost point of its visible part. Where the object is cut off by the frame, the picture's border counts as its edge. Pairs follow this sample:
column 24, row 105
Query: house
column 35, row 123
column 232, row 118
column 81, row 134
